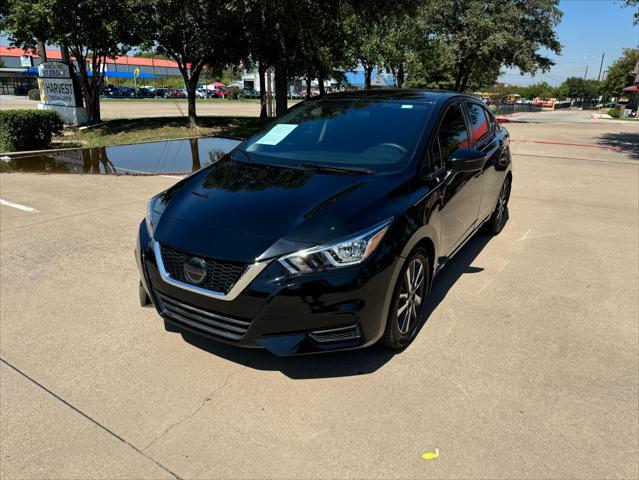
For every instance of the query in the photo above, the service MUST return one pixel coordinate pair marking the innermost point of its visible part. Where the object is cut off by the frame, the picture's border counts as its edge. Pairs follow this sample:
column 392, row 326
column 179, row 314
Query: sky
column 588, row 28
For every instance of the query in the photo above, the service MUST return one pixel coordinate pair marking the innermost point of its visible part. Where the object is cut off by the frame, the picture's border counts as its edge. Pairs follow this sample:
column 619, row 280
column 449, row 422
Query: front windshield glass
column 376, row 135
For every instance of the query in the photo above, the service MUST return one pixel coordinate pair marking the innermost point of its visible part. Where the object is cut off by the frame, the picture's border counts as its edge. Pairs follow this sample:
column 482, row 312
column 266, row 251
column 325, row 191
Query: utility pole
column 601, row 66
column 586, row 73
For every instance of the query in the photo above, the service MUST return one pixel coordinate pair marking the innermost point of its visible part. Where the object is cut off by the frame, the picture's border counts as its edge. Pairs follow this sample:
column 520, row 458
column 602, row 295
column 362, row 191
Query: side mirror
column 466, row 160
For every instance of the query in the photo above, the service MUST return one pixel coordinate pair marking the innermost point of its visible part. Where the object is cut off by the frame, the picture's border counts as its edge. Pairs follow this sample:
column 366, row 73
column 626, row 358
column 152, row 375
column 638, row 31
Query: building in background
column 633, row 91
column 18, row 68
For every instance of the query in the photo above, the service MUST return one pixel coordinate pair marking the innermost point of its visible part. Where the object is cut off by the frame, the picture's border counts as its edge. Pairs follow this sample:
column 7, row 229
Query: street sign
column 26, row 61
column 136, row 72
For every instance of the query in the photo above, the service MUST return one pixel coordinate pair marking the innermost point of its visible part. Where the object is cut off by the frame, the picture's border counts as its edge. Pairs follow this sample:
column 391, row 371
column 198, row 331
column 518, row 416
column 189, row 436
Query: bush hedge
column 28, row 129
column 614, row 113
column 34, row 94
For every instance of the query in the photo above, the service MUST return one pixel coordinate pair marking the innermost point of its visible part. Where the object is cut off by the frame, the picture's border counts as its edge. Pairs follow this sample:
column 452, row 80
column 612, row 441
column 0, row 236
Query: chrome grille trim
column 247, row 277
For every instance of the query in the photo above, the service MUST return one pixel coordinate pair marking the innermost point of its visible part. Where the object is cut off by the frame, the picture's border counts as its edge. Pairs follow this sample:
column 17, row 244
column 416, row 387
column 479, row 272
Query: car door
column 462, row 191
column 483, row 138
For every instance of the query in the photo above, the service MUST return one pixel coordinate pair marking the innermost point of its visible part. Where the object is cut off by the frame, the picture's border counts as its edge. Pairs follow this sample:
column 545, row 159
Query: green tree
column 620, row 74
column 577, row 88
column 366, row 44
column 540, row 89
column 380, row 37
column 93, row 30
column 196, row 34
column 150, row 54
column 632, row 4
column 484, row 36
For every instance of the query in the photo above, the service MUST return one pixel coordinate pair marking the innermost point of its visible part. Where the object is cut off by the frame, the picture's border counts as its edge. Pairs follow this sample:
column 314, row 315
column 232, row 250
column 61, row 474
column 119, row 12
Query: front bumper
column 332, row 310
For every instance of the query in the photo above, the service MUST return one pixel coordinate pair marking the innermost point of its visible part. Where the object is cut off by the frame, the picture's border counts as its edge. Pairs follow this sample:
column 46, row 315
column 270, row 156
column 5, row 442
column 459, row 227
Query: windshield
column 376, row 135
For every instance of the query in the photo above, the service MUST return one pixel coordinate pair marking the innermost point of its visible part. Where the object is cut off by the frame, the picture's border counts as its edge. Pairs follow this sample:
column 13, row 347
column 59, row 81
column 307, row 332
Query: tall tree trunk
column 281, row 73
column 261, row 71
column 281, row 88
column 309, row 85
column 195, row 155
column 459, row 77
column 368, row 73
column 320, row 82
column 64, row 54
column 464, row 83
column 190, row 93
column 400, row 75
column 42, row 51
column 90, row 93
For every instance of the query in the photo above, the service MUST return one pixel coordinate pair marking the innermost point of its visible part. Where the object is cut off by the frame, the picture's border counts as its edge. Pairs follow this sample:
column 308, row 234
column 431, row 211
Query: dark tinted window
column 478, row 123
column 452, row 136
column 380, row 135
column 492, row 122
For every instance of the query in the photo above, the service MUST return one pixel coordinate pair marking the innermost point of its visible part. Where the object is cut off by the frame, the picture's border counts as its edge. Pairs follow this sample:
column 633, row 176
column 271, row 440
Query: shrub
column 28, row 129
column 34, row 94
column 614, row 113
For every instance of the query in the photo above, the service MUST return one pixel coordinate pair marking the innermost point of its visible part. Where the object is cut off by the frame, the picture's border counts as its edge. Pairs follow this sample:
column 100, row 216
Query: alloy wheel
column 502, row 202
column 411, row 295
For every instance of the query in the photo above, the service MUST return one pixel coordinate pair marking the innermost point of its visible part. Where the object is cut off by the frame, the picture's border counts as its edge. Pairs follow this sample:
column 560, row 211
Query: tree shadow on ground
column 347, row 363
column 627, row 142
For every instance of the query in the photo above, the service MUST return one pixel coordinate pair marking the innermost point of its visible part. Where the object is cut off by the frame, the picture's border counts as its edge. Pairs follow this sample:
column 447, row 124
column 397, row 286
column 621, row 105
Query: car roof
column 425, row 96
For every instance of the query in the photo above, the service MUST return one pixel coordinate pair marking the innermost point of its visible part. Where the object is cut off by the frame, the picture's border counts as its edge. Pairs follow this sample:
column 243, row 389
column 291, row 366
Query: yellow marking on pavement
column 431, row 455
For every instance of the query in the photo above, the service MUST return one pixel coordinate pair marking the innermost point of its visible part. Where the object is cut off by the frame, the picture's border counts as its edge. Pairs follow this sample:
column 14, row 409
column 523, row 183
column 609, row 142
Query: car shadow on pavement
column 345, row 363
column 627, row 142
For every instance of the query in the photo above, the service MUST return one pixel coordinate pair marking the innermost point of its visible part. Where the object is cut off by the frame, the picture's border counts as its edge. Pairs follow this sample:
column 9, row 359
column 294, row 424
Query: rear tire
column 497, row 220
column 409, row 299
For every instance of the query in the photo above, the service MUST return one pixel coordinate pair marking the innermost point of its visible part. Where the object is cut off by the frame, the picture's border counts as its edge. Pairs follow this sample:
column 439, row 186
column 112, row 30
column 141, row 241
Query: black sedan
column 326, row 230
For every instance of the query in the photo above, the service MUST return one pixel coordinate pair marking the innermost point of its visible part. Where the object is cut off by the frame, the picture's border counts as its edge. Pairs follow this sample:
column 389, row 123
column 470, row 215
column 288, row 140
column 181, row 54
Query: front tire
column 409, row 299
column 497, row 220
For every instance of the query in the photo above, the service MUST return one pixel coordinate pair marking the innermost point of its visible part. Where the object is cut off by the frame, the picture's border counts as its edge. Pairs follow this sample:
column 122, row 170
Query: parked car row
column 142, row 92
column 209, row 91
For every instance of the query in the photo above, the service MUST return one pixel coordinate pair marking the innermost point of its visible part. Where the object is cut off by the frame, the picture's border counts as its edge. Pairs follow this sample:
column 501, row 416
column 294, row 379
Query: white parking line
column 172, row 176
column 24, row 208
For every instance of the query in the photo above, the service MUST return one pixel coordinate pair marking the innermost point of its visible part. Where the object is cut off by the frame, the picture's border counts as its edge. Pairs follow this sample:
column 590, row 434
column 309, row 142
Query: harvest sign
column 56, row 86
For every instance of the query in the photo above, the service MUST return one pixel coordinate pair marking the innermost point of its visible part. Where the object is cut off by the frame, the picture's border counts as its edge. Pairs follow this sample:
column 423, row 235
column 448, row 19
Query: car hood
column 243, row 211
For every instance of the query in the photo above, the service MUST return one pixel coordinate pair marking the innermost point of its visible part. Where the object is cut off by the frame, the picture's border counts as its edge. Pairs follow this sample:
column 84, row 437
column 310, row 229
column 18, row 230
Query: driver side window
column 452, row 135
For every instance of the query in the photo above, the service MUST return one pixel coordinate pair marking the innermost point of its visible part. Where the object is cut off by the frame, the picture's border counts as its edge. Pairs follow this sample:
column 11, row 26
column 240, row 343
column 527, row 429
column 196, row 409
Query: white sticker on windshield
column 407, row 106
column 276, row 134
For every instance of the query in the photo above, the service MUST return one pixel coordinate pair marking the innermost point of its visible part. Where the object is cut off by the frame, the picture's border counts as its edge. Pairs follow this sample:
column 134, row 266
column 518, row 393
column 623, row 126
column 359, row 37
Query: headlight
column 343, row 253
column 153, row 213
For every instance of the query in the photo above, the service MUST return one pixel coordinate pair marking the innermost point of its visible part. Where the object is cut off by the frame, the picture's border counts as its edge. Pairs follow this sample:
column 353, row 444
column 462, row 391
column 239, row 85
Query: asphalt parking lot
column 528, row 366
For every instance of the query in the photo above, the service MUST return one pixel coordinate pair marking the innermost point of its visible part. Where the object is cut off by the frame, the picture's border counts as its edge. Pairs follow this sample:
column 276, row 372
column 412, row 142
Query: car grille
column 198, row 319
column 221, row 275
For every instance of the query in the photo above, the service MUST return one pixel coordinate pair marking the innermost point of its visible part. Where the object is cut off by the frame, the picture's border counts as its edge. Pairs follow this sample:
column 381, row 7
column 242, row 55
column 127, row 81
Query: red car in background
column 175, row 93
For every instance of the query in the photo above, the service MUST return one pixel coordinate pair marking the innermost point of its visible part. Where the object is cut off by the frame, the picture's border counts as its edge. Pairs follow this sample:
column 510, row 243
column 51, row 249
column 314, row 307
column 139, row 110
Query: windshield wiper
column 335, row 169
